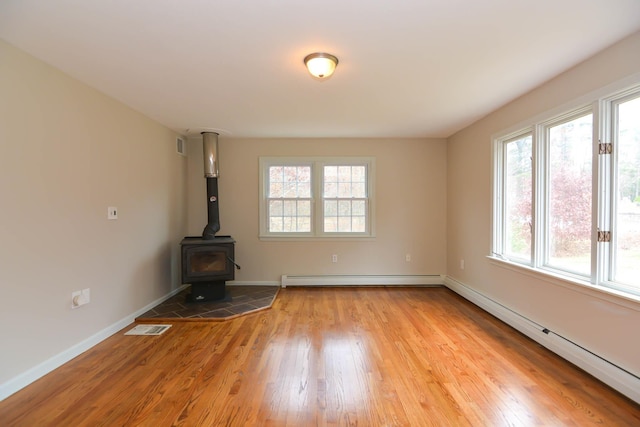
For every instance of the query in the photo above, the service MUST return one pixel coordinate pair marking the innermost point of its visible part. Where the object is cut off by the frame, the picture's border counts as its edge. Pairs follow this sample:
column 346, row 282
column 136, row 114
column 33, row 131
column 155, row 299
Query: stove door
column 207, row 263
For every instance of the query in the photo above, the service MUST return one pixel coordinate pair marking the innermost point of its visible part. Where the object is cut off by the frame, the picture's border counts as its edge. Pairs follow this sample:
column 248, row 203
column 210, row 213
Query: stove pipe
column 210, row 152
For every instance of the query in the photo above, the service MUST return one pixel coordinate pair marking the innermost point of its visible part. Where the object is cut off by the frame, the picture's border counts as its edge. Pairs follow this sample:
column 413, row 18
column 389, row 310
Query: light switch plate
column 112, row 212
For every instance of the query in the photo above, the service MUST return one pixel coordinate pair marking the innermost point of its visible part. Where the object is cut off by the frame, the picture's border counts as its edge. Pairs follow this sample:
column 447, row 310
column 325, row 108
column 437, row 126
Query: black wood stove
column 207, row 264
column 209, row 261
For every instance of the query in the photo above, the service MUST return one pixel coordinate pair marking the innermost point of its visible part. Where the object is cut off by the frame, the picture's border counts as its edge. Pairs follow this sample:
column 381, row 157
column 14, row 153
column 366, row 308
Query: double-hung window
column 316, row 197
column 567, row 193
column 289, row 198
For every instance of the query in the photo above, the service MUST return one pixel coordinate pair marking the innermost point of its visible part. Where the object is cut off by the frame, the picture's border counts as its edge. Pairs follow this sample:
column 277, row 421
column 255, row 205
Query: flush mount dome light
column 321, row 65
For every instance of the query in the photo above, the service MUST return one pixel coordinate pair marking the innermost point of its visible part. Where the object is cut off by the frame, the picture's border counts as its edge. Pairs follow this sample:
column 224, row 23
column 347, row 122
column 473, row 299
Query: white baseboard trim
column 623, row 381
column 250, row 283
column 362, row 280
column 17, row 383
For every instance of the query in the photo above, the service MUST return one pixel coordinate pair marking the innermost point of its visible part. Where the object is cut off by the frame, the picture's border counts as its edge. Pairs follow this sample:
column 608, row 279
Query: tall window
column 567, row 193
column 289, row 199
column 625, row 256
column 569, row 146
column 345, row 198
column 316, row 197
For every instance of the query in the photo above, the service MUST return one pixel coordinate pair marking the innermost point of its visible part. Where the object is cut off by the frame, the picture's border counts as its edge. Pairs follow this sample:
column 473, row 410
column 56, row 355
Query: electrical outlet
column 112, row 212
column 334, row 258
column 461, row 264
column 80, row 298
column 407, row 257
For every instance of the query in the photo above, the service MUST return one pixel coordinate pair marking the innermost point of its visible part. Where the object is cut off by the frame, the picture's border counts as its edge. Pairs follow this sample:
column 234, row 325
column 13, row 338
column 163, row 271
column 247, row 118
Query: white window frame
column 601, row 104
column 317, row 215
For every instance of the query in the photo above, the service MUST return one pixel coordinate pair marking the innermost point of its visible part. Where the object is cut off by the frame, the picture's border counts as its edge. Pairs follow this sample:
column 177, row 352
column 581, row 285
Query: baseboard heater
column 609, row 373
column 362, row 280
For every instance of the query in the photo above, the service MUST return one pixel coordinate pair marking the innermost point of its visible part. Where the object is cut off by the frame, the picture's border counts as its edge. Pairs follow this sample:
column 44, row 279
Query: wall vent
column 181, row 146
column 148, row 330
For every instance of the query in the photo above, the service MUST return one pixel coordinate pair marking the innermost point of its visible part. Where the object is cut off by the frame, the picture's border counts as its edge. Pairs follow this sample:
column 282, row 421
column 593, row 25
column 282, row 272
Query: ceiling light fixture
column 321, row 65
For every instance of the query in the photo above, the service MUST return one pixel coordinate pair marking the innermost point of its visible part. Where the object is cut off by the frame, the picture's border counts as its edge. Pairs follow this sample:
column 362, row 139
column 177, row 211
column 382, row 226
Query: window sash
column 345, row 215
column 517, row 197
column 568, row 193
column 344, row 198
column 289, row 215
column 622, row 269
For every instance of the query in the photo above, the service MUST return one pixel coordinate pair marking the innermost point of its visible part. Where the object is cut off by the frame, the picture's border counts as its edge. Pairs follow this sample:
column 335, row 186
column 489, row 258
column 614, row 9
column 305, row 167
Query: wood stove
column 207, row 264
column 209, row 261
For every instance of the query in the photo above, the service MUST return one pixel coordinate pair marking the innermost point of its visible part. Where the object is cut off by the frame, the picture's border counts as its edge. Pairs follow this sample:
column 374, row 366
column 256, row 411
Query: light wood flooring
column 325, row 357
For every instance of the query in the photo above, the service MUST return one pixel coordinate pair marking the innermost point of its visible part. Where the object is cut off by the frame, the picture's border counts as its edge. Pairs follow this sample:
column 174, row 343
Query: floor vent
column 148, row 330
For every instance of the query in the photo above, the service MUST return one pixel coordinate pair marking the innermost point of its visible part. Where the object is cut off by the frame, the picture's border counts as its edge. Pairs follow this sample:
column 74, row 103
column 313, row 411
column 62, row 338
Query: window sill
column 625, row 299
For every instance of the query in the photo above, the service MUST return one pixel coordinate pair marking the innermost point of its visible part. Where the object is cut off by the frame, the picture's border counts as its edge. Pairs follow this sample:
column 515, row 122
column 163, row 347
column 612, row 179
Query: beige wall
column 410, row 198
column 66, row 153
column 606, row 326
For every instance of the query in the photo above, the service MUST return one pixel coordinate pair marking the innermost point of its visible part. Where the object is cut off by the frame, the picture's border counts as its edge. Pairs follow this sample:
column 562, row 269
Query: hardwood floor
column 325, row 356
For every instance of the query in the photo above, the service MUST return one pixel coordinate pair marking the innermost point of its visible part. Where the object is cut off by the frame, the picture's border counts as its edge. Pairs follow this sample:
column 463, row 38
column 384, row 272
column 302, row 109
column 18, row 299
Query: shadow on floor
column 239, row 300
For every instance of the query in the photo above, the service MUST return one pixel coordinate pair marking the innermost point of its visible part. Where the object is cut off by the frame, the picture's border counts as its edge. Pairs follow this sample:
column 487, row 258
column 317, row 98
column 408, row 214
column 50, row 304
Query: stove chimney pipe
column 210, row 151
column 211, row 173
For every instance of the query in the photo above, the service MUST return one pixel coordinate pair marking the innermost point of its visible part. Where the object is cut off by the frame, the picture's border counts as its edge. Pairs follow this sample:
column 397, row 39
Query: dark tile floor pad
column 239, row 300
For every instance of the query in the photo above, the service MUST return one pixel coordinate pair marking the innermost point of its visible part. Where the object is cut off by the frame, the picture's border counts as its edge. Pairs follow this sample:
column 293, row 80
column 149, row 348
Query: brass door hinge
column 604, row 236
column 605, row 148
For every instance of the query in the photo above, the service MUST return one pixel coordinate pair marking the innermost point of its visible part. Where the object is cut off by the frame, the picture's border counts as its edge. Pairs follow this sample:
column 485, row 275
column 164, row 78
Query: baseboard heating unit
column 609, row 373
column 362, row 280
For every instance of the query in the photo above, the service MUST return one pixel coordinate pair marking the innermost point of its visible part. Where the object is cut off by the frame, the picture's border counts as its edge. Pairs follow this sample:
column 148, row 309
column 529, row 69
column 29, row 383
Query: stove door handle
column 234, row 263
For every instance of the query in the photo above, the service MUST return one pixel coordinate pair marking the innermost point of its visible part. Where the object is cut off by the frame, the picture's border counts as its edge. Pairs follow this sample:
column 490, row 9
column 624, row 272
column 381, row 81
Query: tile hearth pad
column 240, row 300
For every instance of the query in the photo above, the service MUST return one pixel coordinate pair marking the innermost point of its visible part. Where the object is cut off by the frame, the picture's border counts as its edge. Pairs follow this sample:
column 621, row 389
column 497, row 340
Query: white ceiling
column 408, row 68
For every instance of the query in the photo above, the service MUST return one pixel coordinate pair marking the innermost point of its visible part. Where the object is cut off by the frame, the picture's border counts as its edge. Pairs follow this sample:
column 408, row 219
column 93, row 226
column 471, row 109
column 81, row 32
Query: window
column 344, row 196
column 567, row 193
column 289, row 199
column 316, row 197
column 624, row 260
column 568, row 147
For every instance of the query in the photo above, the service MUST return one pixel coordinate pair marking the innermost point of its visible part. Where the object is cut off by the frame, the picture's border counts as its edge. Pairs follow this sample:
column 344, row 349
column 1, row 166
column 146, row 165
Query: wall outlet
column 334, row 258
column 112, row 212
column 461, row 264
column 80, row 298
column 407, row 257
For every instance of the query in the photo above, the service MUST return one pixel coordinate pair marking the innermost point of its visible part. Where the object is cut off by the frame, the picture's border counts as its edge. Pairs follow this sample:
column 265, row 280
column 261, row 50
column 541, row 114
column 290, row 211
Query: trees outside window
column 518, row 176
column 569, row 148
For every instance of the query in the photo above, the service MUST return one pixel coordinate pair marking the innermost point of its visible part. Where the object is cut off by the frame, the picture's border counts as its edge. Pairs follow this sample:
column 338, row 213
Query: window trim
column 317, row 165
